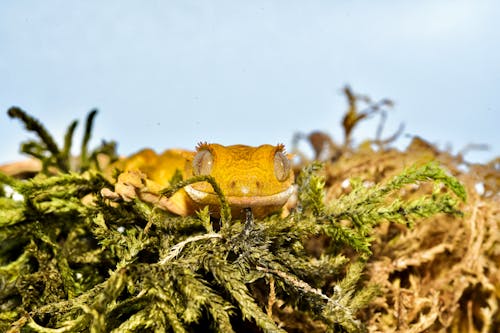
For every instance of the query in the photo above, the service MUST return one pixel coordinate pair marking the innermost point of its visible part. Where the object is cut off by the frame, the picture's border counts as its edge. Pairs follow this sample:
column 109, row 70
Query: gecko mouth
column 277, row 199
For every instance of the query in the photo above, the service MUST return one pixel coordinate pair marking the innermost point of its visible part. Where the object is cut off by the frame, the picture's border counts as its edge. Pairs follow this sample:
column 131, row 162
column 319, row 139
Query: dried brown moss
column 443, row 273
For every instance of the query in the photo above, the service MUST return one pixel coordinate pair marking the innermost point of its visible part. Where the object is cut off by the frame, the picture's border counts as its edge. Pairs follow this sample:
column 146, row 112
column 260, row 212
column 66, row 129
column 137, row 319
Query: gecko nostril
column 232, row 184
column 258, row 184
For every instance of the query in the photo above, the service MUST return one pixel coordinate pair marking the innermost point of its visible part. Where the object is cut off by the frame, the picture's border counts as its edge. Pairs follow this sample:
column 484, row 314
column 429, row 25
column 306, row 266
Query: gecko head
column 248, row 176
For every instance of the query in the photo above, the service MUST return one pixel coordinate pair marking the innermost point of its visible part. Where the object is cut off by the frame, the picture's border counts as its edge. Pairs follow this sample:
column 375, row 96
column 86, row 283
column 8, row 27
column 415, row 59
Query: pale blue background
column 172, row 73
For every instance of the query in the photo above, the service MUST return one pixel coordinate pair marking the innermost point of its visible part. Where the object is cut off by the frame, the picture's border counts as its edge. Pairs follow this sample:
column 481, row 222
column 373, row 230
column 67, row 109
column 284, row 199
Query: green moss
column 82, row 265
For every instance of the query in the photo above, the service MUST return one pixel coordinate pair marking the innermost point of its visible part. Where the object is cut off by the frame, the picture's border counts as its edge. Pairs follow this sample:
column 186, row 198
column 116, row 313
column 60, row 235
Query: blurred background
column 173, row 73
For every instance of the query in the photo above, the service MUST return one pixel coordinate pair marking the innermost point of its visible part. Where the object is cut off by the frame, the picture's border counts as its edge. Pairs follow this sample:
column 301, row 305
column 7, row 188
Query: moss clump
column 71, row 261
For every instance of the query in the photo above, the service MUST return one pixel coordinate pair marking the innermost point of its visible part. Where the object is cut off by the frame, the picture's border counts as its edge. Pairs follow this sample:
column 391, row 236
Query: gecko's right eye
column 202, row 163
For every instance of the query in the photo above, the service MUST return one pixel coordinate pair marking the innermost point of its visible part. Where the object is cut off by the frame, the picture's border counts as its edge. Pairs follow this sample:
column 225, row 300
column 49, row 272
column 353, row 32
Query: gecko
column 257, row 178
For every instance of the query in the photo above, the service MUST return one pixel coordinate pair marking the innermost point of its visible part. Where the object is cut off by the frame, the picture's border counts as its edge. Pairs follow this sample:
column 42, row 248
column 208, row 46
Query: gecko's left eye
column 281, row 166
column 202, row 163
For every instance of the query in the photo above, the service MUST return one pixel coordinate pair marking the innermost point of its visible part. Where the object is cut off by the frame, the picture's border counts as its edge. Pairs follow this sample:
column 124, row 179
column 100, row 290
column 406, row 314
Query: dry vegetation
column 442, row 274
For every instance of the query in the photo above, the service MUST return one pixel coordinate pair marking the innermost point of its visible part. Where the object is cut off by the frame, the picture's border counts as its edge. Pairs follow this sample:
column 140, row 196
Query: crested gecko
column 260, row 178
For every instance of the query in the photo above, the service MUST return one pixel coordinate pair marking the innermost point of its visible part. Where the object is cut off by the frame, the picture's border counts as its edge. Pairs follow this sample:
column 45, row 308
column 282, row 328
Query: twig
column 295, row 282
column 177, row 248
column 272, row 297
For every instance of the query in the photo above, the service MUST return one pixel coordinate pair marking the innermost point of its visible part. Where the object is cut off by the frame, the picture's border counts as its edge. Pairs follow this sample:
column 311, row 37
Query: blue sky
column 173, row 73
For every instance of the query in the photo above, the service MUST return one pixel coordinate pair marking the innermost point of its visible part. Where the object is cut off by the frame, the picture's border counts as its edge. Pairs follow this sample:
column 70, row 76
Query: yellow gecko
column 259, row 178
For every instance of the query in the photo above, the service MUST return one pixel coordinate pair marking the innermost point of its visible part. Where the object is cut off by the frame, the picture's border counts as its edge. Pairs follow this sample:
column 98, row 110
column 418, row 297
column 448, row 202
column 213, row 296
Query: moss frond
column 54, row 157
